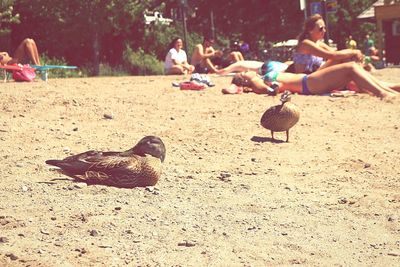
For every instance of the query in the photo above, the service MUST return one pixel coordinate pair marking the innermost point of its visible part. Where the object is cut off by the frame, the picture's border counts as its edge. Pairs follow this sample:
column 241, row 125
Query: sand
column 229, row 195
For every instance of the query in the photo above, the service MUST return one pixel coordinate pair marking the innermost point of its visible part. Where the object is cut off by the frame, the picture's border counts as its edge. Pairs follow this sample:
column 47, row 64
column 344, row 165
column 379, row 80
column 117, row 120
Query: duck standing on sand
column 281, row 118
column 139, row 166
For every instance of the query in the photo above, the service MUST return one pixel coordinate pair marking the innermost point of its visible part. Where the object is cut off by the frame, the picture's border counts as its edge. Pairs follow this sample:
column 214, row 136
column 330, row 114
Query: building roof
column 369, row 13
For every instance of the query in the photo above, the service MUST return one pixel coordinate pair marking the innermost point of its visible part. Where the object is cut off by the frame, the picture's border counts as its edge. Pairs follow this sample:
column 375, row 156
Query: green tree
column 83, row 30
column 345, row 22
column 259, row 20
column 90, row 32
column 7, row 18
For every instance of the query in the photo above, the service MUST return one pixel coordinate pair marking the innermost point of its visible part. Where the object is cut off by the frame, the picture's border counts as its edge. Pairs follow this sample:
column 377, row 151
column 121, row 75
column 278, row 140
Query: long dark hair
column 172, row 43
column 309, row 24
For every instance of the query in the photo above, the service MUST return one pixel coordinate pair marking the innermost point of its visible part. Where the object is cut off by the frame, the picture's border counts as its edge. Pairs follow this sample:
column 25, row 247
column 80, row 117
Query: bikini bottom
column 305, row 90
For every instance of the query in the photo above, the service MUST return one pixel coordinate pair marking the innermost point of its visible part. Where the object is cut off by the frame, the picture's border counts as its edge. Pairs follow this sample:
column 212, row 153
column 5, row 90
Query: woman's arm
column 207, row 54
column 326, row 52
column 186, row 65
column 177, row 62
column 257, row 83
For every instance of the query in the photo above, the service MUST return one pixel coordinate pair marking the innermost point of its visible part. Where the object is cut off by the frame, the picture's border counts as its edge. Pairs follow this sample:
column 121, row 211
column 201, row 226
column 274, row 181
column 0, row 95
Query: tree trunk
column 96, row 54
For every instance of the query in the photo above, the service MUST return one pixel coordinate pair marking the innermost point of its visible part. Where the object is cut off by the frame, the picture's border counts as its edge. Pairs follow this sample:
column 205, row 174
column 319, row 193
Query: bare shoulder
column 210, row 49
column 324, row 45
column 308, row 46
column 303, row 46
column 306, row 43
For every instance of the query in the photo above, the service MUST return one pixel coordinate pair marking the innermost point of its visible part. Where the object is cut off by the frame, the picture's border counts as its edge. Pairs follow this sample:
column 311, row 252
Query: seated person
column 371, row 59
column 222, row 60
column 176, row 59
column 312, row 54
column 319, row 82
column 244, row 48
column 203, row 56
column 26, row 50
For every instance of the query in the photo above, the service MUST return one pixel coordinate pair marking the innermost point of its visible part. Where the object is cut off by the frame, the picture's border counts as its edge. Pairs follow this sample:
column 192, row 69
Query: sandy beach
column 228, row 196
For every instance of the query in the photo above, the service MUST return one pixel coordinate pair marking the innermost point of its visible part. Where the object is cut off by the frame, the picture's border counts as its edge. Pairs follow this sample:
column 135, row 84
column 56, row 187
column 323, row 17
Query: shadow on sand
column 262, row 139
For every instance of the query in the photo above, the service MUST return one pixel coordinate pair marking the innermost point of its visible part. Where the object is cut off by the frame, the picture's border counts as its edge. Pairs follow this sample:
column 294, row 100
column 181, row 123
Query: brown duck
column 139, row 166
column 281, row 118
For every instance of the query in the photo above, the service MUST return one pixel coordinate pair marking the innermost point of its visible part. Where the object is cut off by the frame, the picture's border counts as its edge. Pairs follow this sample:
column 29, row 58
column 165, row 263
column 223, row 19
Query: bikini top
column 270, row 76
column 270, row 70
column 311, row 62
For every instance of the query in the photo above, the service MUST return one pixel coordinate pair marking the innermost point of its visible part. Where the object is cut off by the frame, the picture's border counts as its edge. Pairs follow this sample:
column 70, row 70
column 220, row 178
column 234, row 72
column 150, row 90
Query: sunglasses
column 322, row 28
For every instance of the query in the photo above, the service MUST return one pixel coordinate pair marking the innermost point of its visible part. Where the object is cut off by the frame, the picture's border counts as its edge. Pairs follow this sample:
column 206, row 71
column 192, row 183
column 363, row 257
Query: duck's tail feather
column 72, row 168
column 54, row 162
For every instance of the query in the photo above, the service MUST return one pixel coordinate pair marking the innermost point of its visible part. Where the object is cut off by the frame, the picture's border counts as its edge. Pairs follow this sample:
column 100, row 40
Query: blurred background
column 120, row 37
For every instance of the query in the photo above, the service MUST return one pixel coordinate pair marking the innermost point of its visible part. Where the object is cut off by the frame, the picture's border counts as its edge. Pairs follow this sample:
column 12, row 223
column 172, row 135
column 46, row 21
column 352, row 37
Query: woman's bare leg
column 241, row 58
column 235, row 56
column 337, row 76
column 176, row 69
column 330, row 63
column 382, row 85
column 27, row 47
column 240, row 66
column 395, row 87
column 209, row 65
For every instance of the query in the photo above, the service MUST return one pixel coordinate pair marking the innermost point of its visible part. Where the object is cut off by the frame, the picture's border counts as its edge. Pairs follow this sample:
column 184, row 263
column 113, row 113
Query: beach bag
column 26, row 74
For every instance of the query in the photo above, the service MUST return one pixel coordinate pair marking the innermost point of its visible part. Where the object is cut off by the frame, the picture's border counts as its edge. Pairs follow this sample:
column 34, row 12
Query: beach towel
column 25, row 74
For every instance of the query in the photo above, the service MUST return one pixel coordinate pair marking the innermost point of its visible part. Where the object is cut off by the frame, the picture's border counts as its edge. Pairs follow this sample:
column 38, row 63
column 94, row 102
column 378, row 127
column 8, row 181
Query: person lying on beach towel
column 26, row 50
column 252, row 65
column 316, row 83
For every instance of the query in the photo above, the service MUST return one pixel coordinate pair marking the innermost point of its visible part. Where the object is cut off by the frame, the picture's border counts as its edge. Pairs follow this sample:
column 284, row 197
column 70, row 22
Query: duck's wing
column 106, row 169
column 270, row 117
column 280, row 118
column 126, row 172
column 77, row 164
column 90, row 153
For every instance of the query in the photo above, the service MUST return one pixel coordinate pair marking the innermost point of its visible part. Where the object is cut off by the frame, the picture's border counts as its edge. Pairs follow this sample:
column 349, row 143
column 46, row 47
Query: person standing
column 368, row 43
column 351, row 43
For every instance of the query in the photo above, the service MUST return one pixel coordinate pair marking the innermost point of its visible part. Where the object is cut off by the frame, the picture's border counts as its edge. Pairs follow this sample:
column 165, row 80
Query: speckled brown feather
column 138, row 166
column 280, row 118
column 134, row 171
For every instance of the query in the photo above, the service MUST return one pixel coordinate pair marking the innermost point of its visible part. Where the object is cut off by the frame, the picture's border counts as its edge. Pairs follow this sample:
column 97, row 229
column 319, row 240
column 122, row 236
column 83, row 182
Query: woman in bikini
column 312, row 54
column 316, row 83
column 27, row 49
